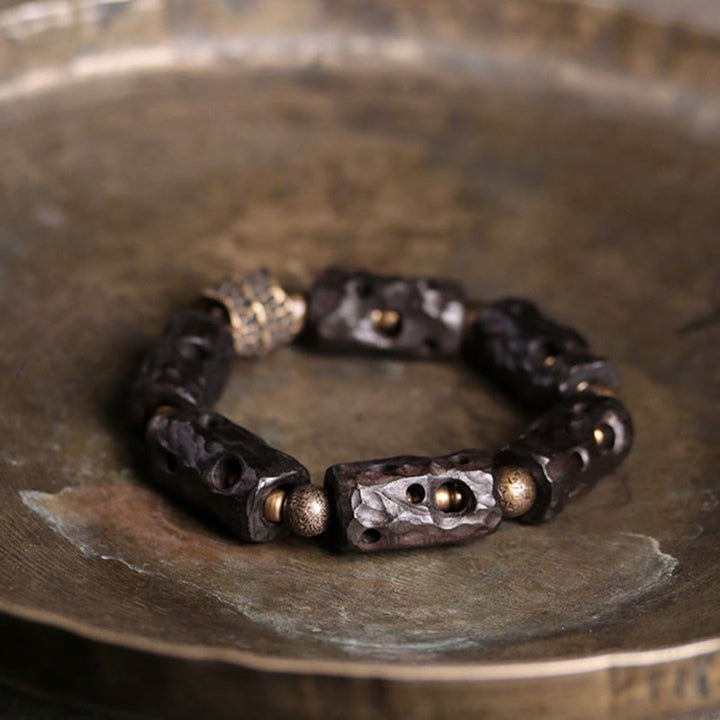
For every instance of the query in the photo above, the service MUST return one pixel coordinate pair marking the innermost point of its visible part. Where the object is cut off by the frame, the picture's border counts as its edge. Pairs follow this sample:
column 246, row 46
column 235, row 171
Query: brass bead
column 261, row 314
column 449, row 498
column 517, row 491
column 306, row 510
column 602, row 390
column 272, row 510
column 386, row 321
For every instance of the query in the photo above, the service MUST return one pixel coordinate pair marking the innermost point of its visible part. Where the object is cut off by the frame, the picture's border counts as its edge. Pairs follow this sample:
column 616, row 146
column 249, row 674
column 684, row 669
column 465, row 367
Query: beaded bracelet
column 257, row 493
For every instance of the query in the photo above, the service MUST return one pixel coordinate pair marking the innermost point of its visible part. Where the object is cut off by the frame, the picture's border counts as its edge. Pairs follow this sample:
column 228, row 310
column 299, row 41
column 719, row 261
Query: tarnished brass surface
column 131, row 180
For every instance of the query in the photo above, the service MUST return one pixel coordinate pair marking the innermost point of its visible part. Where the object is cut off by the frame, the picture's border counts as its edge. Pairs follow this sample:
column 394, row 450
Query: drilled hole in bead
column 453, row 497
column 387, row 322
column 170, row 462
column 227, row 473
column 577, row 461
column 545, row 353
column 370, row 536
column 430, row 345
column 209, row 421
column 604, row 437
column 364, row 288
column 415, row 493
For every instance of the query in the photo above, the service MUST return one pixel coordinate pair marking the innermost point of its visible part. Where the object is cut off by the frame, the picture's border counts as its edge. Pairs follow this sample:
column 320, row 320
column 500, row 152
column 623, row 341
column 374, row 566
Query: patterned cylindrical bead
column 261, row 314
column 568, row 449
column 360, row 311
column 409, row 501
column 187, row 366
column 220, row 470
column 535, row 358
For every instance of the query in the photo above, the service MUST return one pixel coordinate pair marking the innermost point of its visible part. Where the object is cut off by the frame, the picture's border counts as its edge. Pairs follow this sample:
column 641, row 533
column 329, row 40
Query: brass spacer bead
column 386, row 321
column 449, row 498
column 306, row 510
column 517, row 490
column 602, row 390
column 272, row 509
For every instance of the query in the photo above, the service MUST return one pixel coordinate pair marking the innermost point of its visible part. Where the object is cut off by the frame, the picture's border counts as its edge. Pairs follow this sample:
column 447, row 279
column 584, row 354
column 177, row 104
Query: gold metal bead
column 604, row 437
column 306, row 510
column 272, row 510
column 386, row 321
column 261, row 314
column 450, row 498
column 517, row 491
column 602, row 390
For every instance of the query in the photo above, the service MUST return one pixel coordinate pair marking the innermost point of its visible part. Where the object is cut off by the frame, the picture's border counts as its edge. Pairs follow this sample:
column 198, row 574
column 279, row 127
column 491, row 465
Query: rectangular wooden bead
column 393, row 502
column 353, row 311
column 568, row 449
column 187, row 365
column 220, row 470
column 536, row 358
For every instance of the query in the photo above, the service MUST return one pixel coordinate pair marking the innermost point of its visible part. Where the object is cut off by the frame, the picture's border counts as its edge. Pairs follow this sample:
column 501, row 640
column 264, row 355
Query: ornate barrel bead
column 187, row 365
column 356, row 311
column 220, row 470
column 410, row 501
column 537, row 359
column 567, row 450
column 261, row 314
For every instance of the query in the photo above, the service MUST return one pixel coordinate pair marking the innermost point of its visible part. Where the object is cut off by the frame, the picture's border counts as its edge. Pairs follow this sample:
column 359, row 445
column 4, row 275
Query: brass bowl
column 556, row 151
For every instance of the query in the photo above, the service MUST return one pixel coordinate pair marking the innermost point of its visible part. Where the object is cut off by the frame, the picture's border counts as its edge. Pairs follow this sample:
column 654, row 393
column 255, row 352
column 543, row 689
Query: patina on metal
column 559, row 151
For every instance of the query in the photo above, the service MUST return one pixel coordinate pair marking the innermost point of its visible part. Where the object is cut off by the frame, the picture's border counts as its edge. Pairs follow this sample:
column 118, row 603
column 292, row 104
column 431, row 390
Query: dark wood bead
column 535, row 358
column 187, row 366
column 220, row 470
column 355, row 311
column 409, row 501
column 568, row 449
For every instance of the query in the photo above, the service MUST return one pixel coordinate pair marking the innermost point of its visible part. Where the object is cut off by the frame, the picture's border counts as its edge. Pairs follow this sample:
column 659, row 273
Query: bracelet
column 257, row 493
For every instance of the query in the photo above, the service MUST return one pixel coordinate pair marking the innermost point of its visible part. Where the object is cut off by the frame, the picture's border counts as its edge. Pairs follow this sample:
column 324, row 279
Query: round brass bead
column 516, row 489
column 602, row 390
column 386, row 321
column 306, row 511
column 272, row 509
column 449, row 498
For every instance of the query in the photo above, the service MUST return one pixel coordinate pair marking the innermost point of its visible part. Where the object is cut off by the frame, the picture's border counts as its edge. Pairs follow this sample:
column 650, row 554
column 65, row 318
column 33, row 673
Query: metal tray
column 563, row 152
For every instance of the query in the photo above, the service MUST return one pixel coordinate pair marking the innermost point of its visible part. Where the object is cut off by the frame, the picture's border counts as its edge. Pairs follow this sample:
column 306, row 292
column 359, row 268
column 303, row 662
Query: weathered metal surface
column 590, row 191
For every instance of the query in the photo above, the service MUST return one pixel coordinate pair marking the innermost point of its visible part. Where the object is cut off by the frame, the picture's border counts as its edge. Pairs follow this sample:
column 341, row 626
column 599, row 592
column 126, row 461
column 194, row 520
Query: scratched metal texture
column 149, row 148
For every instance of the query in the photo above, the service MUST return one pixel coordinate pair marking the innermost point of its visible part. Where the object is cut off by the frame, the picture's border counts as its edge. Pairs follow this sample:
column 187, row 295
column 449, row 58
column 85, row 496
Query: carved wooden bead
column 356, row 311
column 187, row 365
column 537, row 359
column 568, row 449
column 410, row 501
column 220, row 470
